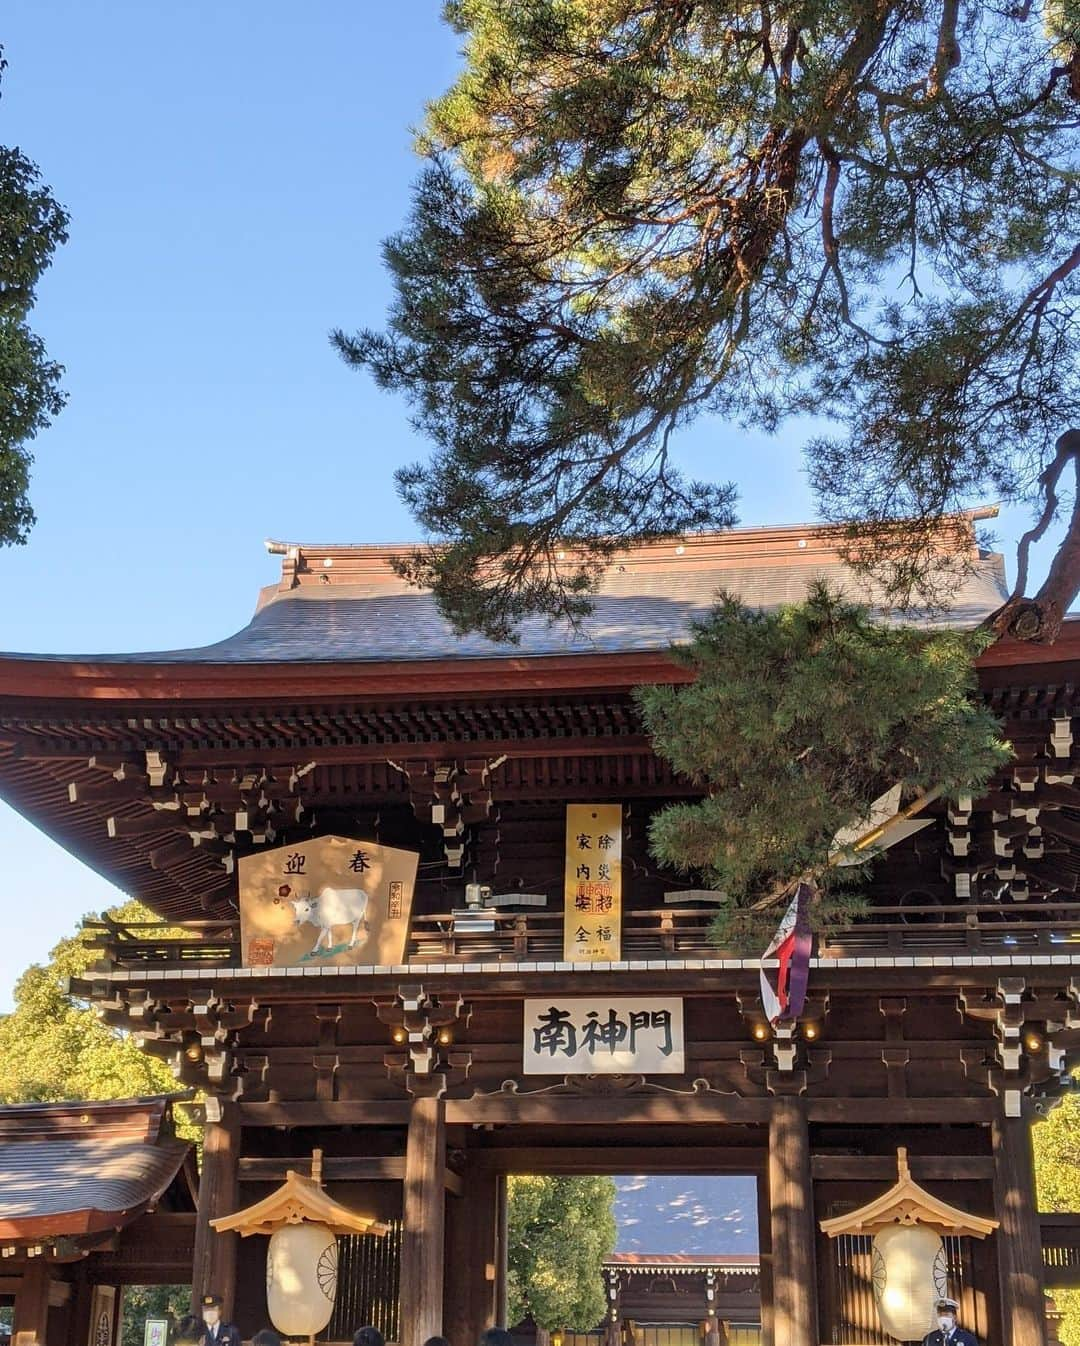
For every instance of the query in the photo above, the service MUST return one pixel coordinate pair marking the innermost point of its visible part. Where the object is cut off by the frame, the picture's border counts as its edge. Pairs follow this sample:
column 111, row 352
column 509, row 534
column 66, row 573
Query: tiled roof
column 70, row 1169
column 345, row 604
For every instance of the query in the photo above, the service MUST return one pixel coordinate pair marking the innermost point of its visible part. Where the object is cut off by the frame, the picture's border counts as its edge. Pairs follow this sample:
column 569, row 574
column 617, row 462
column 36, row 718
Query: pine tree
column 795, row 721
column 636, row 212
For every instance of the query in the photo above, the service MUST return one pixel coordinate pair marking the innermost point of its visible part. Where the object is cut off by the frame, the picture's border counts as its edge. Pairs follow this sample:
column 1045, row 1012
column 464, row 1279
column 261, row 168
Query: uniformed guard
column 947, row 1333
column 217, row 1332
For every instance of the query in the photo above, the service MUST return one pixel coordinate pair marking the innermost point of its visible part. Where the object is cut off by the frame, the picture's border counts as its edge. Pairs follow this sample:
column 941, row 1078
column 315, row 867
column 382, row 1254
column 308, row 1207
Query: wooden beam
column 423, row 1223
column 903, row 1111
column 882, row 1168
column 338, row 1168
column 618, row 1159
column 794, row 1277
column 1060, row 826
column 214, row 1262
column 563, row 1110
column 311, row 748
column 1019, row 1237
column 375, row 1112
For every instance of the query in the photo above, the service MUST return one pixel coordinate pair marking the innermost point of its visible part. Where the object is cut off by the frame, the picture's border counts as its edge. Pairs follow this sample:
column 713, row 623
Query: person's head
column 190, row 1331
column 210, row 1307
column 368, row 1336
column 496, row 1336
column 946, row 1313
column 436, row 1341
column 266, row 1336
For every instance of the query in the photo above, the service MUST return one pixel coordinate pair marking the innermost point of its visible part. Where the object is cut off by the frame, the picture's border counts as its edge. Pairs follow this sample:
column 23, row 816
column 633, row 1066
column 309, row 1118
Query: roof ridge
column 280, row 547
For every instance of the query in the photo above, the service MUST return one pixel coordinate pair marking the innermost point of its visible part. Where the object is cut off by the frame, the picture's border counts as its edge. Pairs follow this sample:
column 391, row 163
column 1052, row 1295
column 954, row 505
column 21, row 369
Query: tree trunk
column 1039, row 619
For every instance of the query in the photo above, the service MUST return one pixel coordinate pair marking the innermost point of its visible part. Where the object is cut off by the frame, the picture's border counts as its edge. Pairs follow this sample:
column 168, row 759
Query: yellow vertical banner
column 592, row 923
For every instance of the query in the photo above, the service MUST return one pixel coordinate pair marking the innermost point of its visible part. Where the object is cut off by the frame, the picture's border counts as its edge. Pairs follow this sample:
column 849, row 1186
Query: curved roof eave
column 81, row 680
column 27, row 679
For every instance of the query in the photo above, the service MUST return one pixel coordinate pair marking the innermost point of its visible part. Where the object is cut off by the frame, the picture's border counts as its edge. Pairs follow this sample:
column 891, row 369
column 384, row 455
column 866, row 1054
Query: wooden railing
column 1061, row 1251
column 664, row 933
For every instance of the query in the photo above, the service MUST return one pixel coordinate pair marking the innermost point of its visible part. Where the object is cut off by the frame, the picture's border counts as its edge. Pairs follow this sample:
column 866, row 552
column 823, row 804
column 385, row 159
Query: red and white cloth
column 783, row 988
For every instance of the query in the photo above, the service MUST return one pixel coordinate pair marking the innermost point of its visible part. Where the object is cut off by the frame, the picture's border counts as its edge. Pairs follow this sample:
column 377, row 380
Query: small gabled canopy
column 299, row 1200
column 906, row 1203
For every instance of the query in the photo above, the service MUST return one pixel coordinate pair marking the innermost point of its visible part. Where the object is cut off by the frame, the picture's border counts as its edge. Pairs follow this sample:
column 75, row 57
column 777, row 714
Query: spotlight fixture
column 445, row 1037
column 399, row 1035
column 761, row 1032
column 1033, row 1042
column 810, row 1032
column 194, row 1053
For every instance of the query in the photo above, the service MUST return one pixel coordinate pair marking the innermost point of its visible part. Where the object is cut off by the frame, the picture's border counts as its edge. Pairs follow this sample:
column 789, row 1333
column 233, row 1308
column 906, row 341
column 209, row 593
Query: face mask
column 946, row 1322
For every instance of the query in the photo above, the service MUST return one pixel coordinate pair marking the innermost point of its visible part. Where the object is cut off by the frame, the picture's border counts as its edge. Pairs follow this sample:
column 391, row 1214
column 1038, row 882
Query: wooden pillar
column 1018, row 1238
column 765, row 1286
column 423, row 1218
column 794, row 1278
column 213, row 1268
column 612, row 1308
column 472, row 1222
column 502, row 1245
column 80, row 1313
column 32, row 1305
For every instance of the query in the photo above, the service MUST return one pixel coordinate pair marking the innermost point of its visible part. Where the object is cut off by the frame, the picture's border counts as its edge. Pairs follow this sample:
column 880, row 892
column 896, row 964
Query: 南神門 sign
column 621, row 1036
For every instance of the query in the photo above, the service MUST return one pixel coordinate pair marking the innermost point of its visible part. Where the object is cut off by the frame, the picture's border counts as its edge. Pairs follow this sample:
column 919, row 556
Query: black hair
column 496, row 1336
column 368, row 1336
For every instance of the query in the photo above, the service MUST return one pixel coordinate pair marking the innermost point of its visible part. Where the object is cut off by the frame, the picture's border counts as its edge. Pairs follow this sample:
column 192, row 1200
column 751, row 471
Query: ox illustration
column 332, row 907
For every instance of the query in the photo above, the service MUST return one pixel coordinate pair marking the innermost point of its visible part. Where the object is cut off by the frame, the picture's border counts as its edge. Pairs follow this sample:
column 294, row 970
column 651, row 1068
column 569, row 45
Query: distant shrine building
column 413, row 937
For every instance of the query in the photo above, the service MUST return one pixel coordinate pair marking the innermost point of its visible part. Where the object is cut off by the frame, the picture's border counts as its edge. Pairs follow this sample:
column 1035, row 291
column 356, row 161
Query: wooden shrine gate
column 348, row 714
column 424, row 1131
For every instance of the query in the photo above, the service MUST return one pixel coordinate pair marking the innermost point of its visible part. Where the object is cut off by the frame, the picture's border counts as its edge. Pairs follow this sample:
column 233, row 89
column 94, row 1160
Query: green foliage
column 1056, row 1144
column 560, row 1231
column 151, row 1301
column 634, row 212
column 54, row 1047
column 32, row 226
column 796, row 721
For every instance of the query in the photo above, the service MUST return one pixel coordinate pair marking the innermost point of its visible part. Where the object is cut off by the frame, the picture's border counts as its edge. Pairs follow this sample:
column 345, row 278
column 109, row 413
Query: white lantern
column 301, row 1278
column 909, row 1275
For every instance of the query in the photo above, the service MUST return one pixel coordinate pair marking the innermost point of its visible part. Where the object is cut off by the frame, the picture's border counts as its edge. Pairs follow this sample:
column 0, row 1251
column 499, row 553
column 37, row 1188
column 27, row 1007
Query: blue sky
column 700, row 1215
column 230, row 171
